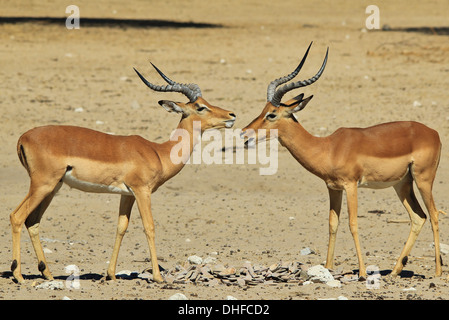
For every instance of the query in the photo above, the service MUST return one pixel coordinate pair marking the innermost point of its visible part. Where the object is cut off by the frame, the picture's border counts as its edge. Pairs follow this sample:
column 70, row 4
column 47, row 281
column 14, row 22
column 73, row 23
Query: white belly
column 373, row 184
column 87, row 186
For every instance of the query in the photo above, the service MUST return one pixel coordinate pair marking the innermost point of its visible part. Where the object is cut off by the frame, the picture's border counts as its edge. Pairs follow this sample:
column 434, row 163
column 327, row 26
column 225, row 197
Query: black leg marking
column 41, row 266
column 14, row 265
column 404, row 261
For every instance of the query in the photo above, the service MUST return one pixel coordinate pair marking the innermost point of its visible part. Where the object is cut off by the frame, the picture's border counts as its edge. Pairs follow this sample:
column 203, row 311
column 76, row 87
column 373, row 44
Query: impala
column 92, row 161
column 386, row 155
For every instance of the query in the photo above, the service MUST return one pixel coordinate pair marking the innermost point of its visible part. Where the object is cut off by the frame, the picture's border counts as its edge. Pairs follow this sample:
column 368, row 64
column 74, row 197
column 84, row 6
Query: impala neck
column 176, row 152
column 310, row 151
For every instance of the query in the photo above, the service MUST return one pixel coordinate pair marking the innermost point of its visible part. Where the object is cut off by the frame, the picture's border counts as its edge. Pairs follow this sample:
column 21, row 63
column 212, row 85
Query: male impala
column 390, row 154
column 97, row 162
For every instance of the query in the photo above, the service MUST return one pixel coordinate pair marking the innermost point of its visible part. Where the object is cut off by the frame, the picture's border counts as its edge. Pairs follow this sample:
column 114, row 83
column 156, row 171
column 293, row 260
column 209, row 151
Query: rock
column 306, row 251
column 319, row 273
column 416, row 103
column 409, row 289
column 227, row 272
column 195, row 259
column 178, row 296
column 217, row 268
column 230, row 298
column 51, row 285
column 46, row 250
column 209, row 260
column 334, row 283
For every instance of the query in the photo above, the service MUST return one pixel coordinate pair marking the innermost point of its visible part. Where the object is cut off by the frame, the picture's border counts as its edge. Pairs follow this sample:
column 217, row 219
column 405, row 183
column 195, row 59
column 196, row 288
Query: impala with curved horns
column 92, row 161
column 386, row 155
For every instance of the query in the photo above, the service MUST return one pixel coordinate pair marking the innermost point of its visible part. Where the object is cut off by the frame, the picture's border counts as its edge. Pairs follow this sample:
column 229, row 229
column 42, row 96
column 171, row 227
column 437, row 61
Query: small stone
column 195, row 259
column 409, row 289
column 209, row 260
column 51, row 285
column 416, row 103
column 306, row 251
column 46, row 250
column 217, row 268
column 334, row 283
column 178, row 296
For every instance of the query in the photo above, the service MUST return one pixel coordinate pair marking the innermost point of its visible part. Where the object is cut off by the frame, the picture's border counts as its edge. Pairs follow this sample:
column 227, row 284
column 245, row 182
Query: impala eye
column 271, row 116
column 200, row 108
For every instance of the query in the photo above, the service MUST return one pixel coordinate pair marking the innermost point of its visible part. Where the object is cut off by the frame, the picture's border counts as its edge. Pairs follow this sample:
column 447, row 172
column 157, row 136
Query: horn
column 275, row 83
column 191, row 90
column 277, row 96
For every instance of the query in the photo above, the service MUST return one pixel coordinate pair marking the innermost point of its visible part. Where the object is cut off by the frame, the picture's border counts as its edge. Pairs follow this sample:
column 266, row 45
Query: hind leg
column 404, row 190
column 32, row 224
column 425, row 188
column 424, row 172
column 29, row 207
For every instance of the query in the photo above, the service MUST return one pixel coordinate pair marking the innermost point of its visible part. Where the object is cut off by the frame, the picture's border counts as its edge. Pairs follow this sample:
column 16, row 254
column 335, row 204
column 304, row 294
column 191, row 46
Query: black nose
column 233, row 115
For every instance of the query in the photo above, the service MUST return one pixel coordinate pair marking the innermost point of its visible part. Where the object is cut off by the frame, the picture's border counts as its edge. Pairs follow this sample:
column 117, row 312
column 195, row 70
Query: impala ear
column 299, row 104
column 172, row 106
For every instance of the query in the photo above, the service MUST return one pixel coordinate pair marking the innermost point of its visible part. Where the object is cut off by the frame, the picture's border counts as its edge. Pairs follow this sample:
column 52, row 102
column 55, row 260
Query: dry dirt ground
column 49, row 72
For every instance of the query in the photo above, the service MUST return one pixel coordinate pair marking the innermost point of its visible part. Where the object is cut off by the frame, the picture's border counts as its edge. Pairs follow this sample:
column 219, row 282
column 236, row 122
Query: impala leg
column 144, row 204
column 425, row 188
column 32, row 225
column 126, row 204
column 405, row 193
column 29, row 206
column 335, row 197
column 351, row 196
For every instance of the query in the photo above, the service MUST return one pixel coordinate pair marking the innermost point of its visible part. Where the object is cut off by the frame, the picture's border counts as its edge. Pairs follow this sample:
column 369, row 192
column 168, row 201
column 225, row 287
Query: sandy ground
column 48, row 72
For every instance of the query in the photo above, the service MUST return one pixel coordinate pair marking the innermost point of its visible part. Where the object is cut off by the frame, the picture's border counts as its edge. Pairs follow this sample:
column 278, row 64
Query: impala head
column 277, row 114
column 197, row 109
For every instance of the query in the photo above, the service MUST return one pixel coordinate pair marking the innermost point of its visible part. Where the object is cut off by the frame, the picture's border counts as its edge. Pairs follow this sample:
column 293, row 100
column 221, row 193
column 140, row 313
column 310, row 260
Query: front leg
column 351, row 196
column 335, row 197
column 126, row 205
column 143, row 197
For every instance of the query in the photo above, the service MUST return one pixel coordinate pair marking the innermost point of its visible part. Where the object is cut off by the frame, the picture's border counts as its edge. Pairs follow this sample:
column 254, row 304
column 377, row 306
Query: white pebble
column 79, row 109
column 416, row 103
column 409, row 289
column 195, row 259
column 209, row 260
column 334, row 283
column 51, row 285
column 46, row 250
column 305, row 251
column 178, row 296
